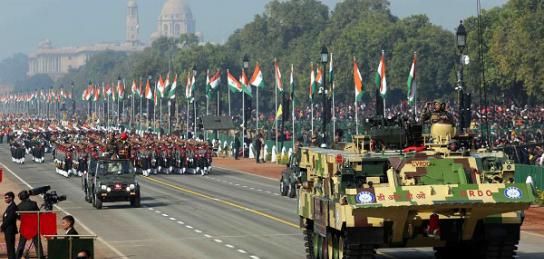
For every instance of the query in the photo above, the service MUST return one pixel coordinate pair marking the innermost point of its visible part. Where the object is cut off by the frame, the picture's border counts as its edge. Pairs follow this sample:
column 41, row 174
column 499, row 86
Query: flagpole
column 194, row 117
column 293, row 108
column 243, row 120
column 187, row 117
column 312, row 104
column 276, row 101
column 257, row 110
column 356, row 117
column 132, row 111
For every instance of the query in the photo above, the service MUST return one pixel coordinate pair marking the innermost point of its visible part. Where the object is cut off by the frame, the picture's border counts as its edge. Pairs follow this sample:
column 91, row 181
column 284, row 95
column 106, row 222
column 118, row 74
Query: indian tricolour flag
column 381, row 82
column 148, row 92
column 215, row 80
column 172, row 91
column 412, row 82
column 161, row 86
column 358, row 82
column 246, row 86
column 234, row 85
column 312, row 88
column 277, row 76
column 257, row 78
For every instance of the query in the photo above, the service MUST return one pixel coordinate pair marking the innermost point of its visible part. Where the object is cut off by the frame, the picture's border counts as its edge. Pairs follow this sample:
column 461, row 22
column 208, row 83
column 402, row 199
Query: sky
column 67, row 23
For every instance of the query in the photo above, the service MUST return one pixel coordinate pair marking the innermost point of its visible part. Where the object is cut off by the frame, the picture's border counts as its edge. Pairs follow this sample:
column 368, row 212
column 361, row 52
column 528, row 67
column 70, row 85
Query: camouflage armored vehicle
column 111, row 180
column 364, row 196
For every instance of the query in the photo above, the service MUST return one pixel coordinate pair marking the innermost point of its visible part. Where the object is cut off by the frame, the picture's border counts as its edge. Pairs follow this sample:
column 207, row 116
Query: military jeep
column 111, row 181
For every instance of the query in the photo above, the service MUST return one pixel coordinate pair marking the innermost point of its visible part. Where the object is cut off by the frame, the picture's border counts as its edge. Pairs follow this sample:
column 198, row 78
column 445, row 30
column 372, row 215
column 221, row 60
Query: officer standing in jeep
column 438, row 115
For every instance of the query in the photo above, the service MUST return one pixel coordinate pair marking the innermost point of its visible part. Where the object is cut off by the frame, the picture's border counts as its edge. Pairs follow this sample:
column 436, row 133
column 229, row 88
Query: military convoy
column 111, row 180
column 365, row 195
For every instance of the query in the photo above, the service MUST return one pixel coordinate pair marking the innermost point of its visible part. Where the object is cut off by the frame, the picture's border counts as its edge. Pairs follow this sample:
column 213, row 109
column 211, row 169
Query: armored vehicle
column 111, row 180
column 352, row 203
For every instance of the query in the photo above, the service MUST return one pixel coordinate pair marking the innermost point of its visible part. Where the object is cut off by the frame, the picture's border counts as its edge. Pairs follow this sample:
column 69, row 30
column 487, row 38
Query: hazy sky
column 24, row 23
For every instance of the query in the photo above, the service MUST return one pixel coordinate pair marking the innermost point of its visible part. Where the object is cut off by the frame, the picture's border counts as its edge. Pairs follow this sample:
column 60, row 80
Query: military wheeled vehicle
column 111, row 180
column 462, row 202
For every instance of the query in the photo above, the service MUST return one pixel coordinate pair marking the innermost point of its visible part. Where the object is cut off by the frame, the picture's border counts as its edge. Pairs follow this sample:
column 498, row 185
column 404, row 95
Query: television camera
column 50, row 198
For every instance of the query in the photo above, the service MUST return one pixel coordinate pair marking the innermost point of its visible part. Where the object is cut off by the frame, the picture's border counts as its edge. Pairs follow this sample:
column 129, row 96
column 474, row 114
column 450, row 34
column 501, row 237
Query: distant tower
column 133, row 24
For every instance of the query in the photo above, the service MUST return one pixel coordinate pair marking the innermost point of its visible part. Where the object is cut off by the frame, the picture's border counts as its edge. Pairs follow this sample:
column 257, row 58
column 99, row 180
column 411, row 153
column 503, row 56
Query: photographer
column 27, row 205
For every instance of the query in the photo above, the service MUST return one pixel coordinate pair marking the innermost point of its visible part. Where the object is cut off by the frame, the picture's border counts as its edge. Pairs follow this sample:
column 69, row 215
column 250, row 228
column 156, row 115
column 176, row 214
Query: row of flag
column 50, row 96
column 164, row 88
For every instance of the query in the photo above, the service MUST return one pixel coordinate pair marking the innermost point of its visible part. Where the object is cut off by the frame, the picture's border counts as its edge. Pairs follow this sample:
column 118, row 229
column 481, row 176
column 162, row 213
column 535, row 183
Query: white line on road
column 101, row 240
column 242, row 251
column 181, row 222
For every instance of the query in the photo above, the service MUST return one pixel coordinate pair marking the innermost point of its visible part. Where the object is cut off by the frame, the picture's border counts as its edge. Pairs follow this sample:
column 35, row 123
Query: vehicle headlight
column 103, row 187
column 108, row 189
column 132, row 186
column 128, row 189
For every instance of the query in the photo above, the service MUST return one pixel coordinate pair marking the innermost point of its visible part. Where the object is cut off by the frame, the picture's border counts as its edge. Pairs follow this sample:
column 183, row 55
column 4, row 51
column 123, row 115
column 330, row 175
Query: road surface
column 223, row 215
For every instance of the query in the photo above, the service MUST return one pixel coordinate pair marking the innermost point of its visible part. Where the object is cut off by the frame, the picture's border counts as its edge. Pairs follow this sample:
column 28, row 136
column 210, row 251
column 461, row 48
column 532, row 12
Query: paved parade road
column 223, row 215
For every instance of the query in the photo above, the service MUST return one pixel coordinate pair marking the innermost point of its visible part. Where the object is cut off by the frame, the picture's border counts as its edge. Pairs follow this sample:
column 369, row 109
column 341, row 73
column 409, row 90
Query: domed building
column 175, row 19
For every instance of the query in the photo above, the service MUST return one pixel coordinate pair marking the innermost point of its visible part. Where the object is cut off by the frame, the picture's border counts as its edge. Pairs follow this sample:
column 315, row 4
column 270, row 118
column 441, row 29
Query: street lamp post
column 245, row 63
column 324, row 92
column 461, row 40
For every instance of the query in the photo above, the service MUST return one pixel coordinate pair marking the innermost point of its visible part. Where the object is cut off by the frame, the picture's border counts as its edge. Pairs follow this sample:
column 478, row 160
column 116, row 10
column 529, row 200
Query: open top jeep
column 111, row 181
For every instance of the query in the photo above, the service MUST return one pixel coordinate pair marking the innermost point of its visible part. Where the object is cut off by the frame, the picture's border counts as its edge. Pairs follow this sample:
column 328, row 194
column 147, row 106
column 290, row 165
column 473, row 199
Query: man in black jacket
column 27, row 205
column 9, row 224
column 68, row 222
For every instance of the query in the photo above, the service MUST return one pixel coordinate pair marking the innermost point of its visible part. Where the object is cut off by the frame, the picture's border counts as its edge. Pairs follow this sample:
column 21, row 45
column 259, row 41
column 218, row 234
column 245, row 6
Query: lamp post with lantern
column 323, row 91
column 461, row 41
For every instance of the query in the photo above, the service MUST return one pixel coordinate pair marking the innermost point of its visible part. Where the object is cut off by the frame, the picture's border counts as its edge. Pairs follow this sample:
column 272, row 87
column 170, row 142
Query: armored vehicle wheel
column 308, row 241
column 97, row 202
column 283, row 187
column 292, row 190
column 135, row 202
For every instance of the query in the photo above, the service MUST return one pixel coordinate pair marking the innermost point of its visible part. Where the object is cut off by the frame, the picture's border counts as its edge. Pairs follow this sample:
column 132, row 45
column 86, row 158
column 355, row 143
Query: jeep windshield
column 115, row 168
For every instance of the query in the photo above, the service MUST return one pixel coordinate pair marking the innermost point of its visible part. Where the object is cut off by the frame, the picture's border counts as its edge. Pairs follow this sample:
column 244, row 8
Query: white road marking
column 218, row 240
column 254, row 257
column 229, row 246
column 198, row 231
column 164, row 215
column 189, row 227
column 150, row 208
column 207, row 236
column 92, row 233
column 181, row 222
column 172, row 219
column 242, row 251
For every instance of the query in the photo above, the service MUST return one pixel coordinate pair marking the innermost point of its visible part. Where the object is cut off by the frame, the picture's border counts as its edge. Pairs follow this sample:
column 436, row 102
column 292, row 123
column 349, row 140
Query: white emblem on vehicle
column 512, row 193
column 365, row 197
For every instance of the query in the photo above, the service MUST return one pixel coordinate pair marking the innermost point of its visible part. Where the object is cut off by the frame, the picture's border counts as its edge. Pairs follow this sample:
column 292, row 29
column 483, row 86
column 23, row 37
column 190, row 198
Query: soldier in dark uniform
column 438, row 115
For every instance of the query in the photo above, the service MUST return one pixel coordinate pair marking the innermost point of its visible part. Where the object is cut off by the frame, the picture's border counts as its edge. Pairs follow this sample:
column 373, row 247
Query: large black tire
column 283, row 187
column 135, row 202
column 97, row 202
column 308, row 240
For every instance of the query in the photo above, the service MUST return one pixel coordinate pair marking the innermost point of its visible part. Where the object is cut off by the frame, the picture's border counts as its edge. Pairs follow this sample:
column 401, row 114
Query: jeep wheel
column 283, row 187
column 135, row 202
column 97, row 202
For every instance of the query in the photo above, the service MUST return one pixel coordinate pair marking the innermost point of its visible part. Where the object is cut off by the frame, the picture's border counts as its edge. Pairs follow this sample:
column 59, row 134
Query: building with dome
column 175, row 19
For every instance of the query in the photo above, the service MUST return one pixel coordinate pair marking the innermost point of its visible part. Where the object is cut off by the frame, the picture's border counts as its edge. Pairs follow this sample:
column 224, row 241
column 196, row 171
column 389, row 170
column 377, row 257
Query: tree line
column 293, row 32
